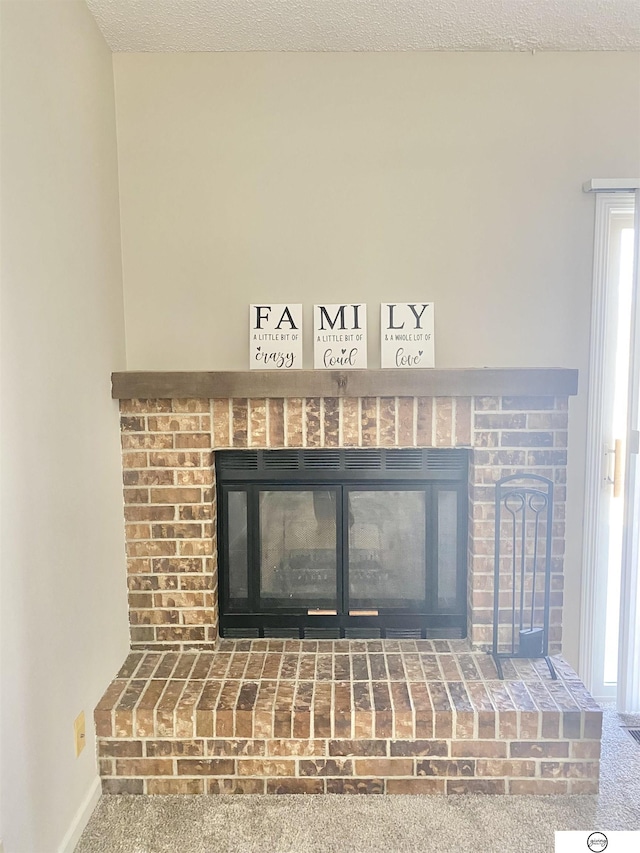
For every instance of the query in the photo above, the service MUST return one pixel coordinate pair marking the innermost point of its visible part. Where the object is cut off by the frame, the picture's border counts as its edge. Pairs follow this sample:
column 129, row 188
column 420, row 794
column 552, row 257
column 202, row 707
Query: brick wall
column 169, row 488
column 170, row 529
column 513, row 435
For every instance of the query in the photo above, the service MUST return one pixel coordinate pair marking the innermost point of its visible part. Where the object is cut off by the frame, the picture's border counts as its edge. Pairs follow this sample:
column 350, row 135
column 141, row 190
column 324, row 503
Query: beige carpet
column 337, row 824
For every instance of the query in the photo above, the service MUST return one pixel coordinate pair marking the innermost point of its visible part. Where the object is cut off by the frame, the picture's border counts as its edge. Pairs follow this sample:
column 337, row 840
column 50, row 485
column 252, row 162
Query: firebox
column 342, row 543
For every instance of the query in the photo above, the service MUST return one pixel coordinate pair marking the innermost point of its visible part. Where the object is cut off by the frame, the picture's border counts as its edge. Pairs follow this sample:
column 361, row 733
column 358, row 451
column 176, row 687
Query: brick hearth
column 345, row 716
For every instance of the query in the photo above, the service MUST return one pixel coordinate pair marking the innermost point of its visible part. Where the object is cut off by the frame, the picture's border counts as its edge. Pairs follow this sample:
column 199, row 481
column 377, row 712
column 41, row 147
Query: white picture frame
column 275, row 336
column 407, row 335
column 340, row 336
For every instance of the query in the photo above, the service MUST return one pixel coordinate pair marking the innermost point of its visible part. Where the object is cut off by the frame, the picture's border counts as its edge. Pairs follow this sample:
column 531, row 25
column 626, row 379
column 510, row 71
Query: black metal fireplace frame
column 341, row 470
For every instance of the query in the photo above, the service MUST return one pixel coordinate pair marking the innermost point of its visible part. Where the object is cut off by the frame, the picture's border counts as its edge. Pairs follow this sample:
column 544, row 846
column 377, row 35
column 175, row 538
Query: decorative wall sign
column 275, row 337
column 406, row 334
column 339, row 336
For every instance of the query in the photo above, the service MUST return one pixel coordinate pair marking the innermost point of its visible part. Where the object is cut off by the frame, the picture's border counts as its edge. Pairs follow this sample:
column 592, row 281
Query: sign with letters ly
column 406, row 334
column 275, row 337
column 339, row 336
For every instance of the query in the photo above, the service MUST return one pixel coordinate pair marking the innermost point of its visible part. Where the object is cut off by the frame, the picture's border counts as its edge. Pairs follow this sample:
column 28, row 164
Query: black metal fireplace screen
column 342, row 543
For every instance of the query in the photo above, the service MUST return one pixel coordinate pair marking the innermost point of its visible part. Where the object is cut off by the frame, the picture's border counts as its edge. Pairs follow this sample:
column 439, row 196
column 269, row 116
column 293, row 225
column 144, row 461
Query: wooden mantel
column 450, row 382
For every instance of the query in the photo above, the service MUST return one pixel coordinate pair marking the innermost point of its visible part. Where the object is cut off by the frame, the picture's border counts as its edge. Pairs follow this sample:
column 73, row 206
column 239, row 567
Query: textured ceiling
column 345, row 25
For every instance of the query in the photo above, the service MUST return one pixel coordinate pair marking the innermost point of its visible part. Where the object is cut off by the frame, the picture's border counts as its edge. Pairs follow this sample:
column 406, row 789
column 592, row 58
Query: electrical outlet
column 79, row 733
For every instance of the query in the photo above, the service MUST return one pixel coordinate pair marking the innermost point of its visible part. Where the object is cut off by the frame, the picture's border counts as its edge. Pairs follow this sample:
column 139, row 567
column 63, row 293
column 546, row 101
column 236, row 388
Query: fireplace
column 353, row 476
column 355, row 543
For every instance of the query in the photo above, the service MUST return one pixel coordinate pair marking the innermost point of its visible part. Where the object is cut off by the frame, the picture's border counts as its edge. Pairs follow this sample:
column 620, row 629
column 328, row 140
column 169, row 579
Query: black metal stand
column 497, row 660
column 522, row 569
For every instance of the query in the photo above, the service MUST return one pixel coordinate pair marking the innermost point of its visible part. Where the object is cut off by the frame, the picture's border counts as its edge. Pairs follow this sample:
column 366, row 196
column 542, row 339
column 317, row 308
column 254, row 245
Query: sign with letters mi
column 339, row 336
column 406, row 334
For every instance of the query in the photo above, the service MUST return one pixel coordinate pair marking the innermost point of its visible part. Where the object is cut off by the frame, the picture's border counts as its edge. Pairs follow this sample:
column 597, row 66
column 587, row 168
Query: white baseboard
column 81, row 818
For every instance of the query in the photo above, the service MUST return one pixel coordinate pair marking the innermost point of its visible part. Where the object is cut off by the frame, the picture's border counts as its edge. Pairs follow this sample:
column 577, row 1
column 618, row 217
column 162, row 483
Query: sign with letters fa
column 406, row 334
column 275, row 337
column 339, row 336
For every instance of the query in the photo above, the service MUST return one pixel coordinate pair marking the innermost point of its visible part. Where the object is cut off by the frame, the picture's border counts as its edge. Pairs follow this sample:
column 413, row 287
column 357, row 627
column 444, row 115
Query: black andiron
column 522, row 573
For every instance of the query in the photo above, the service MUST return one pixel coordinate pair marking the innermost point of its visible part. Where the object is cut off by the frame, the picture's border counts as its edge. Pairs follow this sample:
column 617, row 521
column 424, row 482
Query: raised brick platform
column 345, row 716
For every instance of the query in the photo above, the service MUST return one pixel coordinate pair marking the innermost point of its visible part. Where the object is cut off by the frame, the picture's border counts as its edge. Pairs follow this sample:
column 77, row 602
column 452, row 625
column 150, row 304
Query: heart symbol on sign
column 419, row 352
column 259, row 348
column 343, row 351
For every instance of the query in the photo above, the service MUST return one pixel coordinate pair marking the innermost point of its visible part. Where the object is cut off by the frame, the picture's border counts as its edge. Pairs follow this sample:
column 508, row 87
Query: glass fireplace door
column 298, row 545
column 387, row 548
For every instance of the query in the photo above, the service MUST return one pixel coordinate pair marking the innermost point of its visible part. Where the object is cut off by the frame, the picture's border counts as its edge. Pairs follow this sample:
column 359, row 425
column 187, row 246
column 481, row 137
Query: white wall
column 454, row 178
column 63, row 588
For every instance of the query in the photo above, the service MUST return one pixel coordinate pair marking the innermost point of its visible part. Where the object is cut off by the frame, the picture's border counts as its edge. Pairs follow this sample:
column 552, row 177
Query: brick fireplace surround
column 189, row 713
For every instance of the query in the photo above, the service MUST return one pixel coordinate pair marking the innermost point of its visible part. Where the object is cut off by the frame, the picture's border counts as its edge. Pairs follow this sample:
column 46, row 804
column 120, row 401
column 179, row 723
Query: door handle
column 618, row 470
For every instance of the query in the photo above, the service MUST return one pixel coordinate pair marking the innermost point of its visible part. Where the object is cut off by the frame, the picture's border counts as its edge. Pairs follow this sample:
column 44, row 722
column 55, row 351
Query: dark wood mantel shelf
column 450, row 382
